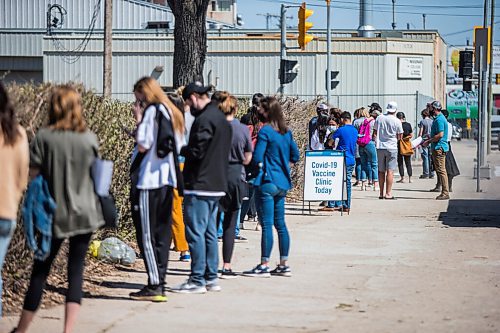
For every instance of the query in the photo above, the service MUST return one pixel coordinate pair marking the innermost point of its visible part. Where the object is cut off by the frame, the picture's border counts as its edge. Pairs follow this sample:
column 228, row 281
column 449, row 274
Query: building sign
column 461, row 104
column 410, row 68
column 324, row 175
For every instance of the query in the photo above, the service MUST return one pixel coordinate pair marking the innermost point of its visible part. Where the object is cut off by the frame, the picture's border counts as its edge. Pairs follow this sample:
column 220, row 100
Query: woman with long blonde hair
column 154, row 175
column 63, row 154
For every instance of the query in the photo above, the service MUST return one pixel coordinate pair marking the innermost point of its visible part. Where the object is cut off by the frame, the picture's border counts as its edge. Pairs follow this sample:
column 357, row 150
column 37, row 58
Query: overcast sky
column 454, row 19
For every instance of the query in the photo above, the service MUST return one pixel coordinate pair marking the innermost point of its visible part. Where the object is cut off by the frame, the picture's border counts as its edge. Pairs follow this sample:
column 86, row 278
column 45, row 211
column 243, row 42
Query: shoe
column 402, row 180
column 423, row 177
column 282, row 271
column 409, row 180
column 185, row 257
column 258, row 271
column 443, row 197
column 188, row 288
column 258, row 227
column 435, row 189
column 240, row 239
column 213, row 285
column 150, row 293
column 323, row 203
column 327, row 209
column 356, row 183
column 227, row 274
column 431, row 176
column 219, row 238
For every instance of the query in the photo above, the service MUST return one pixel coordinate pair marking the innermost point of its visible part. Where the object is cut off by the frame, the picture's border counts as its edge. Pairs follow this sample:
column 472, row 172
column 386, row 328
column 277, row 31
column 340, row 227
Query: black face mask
column 261, row 117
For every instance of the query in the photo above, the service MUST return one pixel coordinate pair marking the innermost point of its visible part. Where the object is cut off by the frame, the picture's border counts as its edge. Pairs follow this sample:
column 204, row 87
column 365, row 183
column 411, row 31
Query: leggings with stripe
column 152, row 217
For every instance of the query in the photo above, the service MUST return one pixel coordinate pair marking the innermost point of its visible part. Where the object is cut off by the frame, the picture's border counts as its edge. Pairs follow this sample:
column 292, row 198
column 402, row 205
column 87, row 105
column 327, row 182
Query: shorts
column 387, row 159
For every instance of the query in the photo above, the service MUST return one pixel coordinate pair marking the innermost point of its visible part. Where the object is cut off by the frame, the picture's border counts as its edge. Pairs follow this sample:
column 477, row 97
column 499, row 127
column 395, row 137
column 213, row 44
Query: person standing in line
column 320, row 133
column 346, row 136
column 251, row 119
column 439, row 145
column 368, row 152
column 452, row 169
column 313, row 123
column 424, row 131
column 274, row 152
column 388, row 130
column 361, row 177
column 178, row 227
column 153, row 179
column 63, row 154
column 407, row 136
column 14, row 170
column 240, row 154
column 205, row 177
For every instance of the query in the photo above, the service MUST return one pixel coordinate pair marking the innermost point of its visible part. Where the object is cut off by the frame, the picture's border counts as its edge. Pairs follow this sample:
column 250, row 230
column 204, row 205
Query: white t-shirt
column 388, row 127
column 155, row 172
column 315, row 142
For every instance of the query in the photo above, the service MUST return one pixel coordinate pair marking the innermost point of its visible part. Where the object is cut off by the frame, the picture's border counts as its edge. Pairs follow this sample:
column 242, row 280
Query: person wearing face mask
column 321, row 132
column 205, row 178
column 368, row 151
column 439, row 146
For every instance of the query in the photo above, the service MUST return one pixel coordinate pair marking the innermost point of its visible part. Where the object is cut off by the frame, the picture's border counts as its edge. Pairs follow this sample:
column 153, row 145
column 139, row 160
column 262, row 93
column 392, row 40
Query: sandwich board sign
column 324, row 175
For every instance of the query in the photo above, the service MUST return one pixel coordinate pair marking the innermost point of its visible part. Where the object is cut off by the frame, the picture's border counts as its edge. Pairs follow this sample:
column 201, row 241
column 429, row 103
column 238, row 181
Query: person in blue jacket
column 274, row 152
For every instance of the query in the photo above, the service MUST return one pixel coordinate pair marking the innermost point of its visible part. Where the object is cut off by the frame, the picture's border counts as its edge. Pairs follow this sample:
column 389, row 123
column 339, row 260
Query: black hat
column 375, row 106
column 194, row 87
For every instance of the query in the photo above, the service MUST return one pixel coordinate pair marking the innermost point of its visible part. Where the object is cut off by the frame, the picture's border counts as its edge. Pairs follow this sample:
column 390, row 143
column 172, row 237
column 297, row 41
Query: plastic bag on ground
column 116, row 251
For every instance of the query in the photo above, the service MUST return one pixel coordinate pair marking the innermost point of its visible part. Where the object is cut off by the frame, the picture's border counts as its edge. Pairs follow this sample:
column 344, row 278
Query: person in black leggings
column 63, row 154
column 407, row 135
column 240, row 154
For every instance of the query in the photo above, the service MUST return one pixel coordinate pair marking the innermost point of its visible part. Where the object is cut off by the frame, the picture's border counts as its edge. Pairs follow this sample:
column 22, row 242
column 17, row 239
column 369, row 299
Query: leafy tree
column 190, row 34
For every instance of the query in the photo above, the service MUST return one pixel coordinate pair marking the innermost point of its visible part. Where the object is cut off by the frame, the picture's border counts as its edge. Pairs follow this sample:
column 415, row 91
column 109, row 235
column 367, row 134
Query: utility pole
column 393, row 14
column 328, row 52
column 283, row 42
column 268, row 17
column 108, row 53
column 490, row 80
column 423, row 18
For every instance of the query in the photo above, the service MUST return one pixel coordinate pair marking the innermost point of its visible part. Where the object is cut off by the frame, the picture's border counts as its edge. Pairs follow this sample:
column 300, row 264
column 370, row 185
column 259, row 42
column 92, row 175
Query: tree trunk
column 190, row 35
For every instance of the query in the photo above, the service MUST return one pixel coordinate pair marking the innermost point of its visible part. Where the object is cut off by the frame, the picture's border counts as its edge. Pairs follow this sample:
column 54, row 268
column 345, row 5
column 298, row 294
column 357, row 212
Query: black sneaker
column 240, row 239
column 423, row 176
column 282, row 271
column 227, row 274
column 150, row 293
column 258, row 271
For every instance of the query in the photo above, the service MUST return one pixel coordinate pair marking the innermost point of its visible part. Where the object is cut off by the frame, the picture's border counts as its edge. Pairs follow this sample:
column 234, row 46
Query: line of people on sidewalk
column 192, row 162
column 375, row 144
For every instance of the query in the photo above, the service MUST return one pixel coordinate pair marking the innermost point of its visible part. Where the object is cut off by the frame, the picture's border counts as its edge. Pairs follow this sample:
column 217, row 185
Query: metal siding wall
column 31, row 14
column 21, row 44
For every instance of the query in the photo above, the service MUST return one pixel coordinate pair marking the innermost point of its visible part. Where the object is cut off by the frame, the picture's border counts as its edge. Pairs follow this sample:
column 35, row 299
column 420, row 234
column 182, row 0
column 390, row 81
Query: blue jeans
column 7, row 228
column 369, row 162
column 200, row 217
column 360, row 172
column 271, row 210
column 345, row 203
column 426, row 161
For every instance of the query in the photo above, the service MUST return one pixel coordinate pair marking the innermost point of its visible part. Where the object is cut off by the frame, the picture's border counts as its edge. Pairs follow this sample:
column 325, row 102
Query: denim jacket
column 38, row 210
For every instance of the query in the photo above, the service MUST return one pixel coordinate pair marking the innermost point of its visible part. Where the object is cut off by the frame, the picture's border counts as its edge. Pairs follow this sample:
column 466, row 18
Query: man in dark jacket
column 205, row 182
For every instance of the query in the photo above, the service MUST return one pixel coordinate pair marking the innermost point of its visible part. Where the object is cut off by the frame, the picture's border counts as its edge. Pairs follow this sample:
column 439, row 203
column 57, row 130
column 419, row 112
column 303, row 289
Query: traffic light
column 465, row 64
column 304, row 38
column 288, row 71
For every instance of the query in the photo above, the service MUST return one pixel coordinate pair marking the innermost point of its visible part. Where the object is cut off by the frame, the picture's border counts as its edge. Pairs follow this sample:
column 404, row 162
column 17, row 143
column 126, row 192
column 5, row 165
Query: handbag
column 102, row 173
column 405, row 147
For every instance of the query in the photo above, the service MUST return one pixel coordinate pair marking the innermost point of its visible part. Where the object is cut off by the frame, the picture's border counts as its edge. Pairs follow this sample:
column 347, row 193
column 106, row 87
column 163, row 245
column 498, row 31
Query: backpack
column 364, row 136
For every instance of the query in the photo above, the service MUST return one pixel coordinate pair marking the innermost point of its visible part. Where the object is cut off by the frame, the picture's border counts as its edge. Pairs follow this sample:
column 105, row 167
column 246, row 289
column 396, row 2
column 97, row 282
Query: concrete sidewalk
column 410, row 265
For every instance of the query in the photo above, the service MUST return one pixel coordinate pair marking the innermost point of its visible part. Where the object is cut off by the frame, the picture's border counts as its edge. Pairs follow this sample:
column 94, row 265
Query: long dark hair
column 274, row 114
column 8, row 121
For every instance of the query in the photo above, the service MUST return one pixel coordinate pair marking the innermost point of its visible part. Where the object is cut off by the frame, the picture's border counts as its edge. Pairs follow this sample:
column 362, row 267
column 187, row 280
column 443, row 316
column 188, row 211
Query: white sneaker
column 213, row 285
column 188, row 288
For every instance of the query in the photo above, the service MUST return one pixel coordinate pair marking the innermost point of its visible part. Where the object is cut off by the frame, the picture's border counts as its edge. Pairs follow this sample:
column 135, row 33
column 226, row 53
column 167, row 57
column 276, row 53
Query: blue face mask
column 332, row 128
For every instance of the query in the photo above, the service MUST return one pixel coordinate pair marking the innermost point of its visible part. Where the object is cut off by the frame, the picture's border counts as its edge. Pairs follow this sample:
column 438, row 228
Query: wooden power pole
column 108, row 53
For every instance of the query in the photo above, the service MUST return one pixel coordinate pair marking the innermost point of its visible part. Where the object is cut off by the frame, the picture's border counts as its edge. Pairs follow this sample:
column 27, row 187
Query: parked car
column 457, row 130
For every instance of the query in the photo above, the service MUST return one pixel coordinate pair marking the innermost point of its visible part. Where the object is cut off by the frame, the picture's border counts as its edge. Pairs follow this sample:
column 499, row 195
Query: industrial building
column 408, row 66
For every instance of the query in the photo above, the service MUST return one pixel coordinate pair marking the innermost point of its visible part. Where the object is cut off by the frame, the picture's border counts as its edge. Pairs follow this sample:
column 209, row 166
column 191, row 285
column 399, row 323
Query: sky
column 454, row 19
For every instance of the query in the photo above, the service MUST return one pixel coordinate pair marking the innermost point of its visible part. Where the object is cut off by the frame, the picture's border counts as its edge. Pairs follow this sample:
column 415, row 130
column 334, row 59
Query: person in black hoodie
column 205, row 182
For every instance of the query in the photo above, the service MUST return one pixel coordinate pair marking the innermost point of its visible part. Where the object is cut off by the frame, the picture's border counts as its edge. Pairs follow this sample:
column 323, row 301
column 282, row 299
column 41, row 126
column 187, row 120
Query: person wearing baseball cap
column 205, row 180
column 387, row 131
column 375, row 106
column 321, row 108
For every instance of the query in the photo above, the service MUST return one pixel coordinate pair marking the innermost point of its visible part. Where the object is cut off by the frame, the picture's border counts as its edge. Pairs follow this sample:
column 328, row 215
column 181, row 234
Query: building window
column 225, row 5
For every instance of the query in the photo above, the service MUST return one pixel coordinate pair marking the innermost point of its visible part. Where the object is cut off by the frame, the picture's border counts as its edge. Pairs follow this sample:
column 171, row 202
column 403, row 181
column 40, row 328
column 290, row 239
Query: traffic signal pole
column 283, row 43
column 328, row 53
